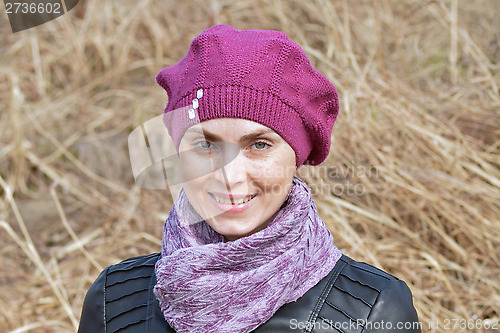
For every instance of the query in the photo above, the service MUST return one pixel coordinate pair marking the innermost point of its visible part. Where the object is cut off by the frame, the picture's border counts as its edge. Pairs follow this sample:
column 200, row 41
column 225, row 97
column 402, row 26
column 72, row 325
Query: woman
column 243, row 247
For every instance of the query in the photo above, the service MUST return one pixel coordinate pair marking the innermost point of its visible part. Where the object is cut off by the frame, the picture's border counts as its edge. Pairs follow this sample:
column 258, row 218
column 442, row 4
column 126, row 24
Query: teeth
column 227, row 201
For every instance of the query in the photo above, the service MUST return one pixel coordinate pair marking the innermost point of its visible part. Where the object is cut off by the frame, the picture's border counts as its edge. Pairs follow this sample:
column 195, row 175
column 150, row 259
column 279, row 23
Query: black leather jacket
column 353, row 297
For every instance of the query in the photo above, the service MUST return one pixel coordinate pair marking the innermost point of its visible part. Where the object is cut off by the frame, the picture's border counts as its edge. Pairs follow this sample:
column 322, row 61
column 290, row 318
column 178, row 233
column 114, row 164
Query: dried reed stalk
column 411, row 184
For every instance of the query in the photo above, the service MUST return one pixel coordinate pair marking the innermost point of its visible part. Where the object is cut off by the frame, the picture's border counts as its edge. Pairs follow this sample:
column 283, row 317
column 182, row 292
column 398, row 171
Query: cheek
column 195, row 169
column 198, row 197
column 274, row 174
column 194, row 177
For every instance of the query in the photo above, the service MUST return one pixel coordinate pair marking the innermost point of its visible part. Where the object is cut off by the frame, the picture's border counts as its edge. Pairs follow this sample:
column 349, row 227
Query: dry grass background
column 418, row 135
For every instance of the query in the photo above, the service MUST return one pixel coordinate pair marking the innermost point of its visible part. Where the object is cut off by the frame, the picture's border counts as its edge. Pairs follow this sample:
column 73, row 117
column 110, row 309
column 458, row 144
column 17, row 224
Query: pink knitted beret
column 259, row 75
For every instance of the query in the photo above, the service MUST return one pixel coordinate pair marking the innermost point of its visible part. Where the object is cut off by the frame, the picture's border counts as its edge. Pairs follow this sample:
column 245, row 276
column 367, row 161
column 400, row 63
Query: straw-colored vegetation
column 411, row 184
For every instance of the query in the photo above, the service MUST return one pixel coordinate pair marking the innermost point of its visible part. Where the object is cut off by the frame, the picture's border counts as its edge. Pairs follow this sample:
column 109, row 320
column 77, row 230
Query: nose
column 233, row 174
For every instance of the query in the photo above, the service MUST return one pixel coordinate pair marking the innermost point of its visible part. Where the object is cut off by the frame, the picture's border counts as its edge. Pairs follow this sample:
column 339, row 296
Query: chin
column 234, row 232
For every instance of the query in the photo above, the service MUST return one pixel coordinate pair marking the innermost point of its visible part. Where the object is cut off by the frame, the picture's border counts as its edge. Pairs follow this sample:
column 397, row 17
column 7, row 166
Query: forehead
column 230, row 127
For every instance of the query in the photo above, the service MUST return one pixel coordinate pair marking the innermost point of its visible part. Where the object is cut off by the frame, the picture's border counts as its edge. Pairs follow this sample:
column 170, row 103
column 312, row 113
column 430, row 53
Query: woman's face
column 238, row 174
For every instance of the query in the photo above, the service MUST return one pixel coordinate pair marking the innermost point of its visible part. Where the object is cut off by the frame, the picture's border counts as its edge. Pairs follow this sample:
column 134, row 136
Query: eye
column 204, row 145
column 261, row 145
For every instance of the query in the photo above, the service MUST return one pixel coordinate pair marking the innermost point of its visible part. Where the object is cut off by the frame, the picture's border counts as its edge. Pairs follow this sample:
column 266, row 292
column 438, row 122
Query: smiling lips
column 232, row 199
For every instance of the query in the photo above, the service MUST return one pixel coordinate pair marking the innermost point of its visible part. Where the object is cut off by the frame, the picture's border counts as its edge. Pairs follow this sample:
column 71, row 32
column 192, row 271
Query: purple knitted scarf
column 208, row 285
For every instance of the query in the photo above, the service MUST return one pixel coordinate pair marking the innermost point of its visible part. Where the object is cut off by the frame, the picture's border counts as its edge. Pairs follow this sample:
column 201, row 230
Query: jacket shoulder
column 120, row 299
column 363, row 298
column 132, row 268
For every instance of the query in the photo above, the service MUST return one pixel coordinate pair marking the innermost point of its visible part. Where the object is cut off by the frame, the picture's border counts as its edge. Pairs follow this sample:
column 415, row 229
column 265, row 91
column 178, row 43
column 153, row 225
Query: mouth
column 233, row 204
column 232, row 199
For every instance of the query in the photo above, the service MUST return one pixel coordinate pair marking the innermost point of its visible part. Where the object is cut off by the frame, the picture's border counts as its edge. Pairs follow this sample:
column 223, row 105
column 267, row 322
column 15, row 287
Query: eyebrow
column 215, row 137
